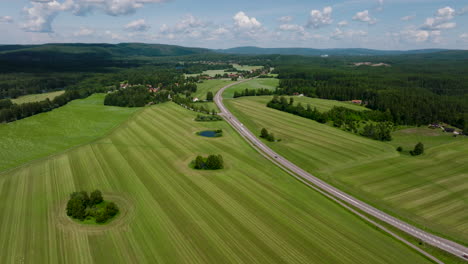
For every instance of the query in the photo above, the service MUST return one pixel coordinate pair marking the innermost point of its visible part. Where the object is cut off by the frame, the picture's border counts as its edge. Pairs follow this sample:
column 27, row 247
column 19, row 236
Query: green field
column 246, row 67
column 36, row 97
column 250, row 212
column 209, row 86
column 259, row 83
column 211, row 73
column 78, row 122
column 430, row 191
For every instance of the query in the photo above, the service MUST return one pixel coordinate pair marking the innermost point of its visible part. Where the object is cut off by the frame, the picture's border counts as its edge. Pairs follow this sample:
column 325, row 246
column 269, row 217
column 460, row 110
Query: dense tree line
column 212, row 162
column 81, row 206
column 414, row 97
column 136, row 96
column 377, row 125
column 253, row 92
column 11, row 112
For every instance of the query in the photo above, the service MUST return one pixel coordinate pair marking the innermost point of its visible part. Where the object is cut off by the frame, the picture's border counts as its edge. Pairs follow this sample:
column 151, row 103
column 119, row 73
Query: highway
column 439, row 242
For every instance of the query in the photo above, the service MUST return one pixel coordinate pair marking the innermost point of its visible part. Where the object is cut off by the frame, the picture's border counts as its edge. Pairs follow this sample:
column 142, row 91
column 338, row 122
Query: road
column 444, row 244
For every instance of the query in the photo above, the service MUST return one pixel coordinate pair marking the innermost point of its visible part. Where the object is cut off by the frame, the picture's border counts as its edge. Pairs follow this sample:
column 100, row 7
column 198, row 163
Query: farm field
column 259, row 83
column 430, row 191
column 51, row 132
column 246, row 67
column 250, row 212
column 36, row 97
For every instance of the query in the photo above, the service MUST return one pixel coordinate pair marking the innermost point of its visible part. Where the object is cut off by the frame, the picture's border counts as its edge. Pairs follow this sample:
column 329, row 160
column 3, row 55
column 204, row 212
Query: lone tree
column 209, row 96
column 264, row 133
column 418, row 149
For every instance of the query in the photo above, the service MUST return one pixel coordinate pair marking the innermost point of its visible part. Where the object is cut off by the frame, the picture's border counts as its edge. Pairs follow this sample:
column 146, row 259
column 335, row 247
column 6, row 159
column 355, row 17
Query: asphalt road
column 444, row 244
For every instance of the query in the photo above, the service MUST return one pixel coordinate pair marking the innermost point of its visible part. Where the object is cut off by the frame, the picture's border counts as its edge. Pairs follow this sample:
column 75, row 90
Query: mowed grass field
column 250, row 212
column 36, row 97
column 259, row 83
column 78, row 122
column 430, row 191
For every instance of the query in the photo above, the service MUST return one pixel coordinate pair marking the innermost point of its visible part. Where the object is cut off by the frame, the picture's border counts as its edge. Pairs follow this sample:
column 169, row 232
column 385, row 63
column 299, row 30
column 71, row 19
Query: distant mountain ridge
column 114, row 50
column 249, row 50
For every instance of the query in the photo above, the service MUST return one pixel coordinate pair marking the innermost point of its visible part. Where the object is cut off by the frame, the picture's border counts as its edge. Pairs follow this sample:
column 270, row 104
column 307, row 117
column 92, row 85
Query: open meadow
column 36, row 97
column 249, row 212
column 78, row 122
column 430, row 191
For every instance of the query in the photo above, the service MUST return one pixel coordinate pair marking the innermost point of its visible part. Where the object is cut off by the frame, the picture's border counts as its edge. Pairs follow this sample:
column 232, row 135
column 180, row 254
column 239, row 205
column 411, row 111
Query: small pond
column 210, row 133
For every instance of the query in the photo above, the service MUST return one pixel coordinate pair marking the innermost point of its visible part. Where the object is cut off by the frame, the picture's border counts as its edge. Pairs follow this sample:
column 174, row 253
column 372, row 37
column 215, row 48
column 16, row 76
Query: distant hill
column 322, row 52
column 123, row 49
column 79, row 57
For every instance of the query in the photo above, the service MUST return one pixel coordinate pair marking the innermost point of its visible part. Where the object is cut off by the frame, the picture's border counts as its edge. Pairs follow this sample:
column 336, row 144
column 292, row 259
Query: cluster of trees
column 253, row 92
column 266, row 135
column 212, row 162
column 187, row 103
column 11, row 112
column 418, row 149
column 136, row 96
column 81, row 206
column 208, row 118
column 377, row 125
column 416, row 94
column 380, row 131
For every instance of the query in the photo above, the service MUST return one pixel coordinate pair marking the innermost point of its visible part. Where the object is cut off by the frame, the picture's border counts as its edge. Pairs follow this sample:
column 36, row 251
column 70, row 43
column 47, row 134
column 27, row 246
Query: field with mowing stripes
column 430, row 191
column 36, row 97
column 250, row 212
column 78, row 122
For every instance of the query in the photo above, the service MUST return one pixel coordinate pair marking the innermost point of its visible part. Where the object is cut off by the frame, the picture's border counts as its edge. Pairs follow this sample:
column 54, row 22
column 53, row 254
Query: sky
column 374, row 24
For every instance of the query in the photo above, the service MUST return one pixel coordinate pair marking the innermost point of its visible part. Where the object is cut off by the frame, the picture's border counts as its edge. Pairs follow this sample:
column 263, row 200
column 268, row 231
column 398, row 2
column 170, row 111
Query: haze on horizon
column 375, row 24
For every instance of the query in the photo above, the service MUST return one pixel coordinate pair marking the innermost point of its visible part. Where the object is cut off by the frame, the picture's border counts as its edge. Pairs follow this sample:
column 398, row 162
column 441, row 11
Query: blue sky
column 377, row 24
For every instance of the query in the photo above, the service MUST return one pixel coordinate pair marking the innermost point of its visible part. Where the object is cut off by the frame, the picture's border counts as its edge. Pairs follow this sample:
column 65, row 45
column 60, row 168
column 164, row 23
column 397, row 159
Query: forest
column 415, row 92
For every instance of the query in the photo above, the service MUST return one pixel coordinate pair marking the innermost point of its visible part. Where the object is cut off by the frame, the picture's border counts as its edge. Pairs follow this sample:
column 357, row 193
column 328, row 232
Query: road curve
column 436, row 241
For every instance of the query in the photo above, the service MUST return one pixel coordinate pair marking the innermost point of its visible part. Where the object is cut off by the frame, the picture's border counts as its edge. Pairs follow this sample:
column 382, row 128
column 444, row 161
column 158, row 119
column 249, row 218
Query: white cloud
column 137, row 25
column 341, row 34
column 285, row 19
column 6, row 19
column 441, row 20
column 241, row 20
column 407, row 18
column 41, row 13
column 319, row 18
column 343, row 23
column 84, row 32
column 417, row 35
column 365, row 17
